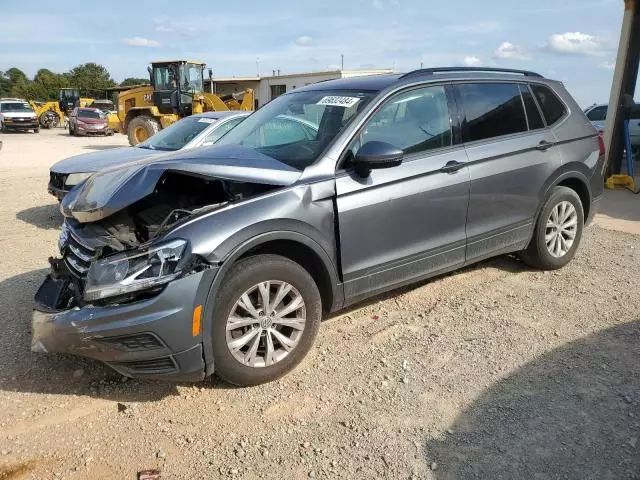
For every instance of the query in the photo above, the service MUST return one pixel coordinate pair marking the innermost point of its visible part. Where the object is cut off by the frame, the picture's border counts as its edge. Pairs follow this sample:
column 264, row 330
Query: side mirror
column 374, row 155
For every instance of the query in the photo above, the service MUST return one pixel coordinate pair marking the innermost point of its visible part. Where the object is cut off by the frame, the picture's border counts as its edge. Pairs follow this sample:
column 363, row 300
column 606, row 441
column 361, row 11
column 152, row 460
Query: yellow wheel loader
column 176, row 91
column 52, row 114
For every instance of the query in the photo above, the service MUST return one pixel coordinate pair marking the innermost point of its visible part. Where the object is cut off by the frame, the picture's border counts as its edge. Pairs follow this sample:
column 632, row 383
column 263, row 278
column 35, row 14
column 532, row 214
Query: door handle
column 452, row 167
column 544, row 145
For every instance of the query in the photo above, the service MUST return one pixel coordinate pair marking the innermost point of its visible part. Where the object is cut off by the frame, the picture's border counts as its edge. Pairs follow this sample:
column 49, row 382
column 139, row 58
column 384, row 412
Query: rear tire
column 288, row 345
column 558, row 231
column 140, row 128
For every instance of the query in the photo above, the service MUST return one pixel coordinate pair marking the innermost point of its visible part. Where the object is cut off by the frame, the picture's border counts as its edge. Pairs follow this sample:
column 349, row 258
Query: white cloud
column 471, row 61
column 164, row 28
column 305, row 41
column 140, row 42
column 576, row 43
column 477, row 28
column 607, row 65
column 377, row 4
column 510, row 51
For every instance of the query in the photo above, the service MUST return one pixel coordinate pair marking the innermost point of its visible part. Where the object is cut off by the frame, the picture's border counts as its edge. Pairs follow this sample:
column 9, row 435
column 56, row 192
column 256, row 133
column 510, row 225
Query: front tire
column 265, row 319
column 558, row 231
column 141, row 128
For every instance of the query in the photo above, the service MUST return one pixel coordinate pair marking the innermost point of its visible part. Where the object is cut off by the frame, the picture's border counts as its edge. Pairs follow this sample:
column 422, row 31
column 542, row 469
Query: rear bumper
column 595, row 207
column 148, row 338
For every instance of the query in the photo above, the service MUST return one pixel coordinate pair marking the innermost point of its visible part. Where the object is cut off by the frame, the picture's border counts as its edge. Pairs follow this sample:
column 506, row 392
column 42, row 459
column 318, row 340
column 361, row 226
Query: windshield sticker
column 207, row 120
column 336, row 101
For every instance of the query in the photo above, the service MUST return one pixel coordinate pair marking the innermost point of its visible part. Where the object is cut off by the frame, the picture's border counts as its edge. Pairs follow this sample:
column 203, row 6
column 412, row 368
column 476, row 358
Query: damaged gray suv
column 225, row 259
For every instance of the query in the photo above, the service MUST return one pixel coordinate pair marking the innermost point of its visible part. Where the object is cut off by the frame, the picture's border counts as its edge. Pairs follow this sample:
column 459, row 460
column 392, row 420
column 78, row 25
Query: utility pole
column 257, row 66
column 341, row 62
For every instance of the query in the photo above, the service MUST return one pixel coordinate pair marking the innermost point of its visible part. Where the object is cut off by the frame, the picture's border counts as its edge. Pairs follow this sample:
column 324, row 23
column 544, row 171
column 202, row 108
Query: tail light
column 601, row 143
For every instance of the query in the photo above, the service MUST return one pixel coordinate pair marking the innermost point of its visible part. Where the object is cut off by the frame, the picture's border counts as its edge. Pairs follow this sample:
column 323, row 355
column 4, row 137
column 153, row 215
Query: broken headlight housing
column 137, row 270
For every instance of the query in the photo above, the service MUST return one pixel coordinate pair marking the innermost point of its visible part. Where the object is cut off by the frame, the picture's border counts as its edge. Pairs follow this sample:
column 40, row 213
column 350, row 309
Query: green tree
column 5, row 85
column 131, row 81
column 92, row 79
column 49, row 83
column 16, row 75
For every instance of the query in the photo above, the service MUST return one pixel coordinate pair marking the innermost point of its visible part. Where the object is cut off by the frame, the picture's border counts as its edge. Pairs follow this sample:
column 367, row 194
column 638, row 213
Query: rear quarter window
column 552, row 108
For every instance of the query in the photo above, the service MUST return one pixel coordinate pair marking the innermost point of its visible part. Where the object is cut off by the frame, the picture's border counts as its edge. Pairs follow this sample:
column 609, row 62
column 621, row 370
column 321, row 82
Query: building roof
column 222, row 114
column 233, row 79
column 361, row 82
column 343, row 73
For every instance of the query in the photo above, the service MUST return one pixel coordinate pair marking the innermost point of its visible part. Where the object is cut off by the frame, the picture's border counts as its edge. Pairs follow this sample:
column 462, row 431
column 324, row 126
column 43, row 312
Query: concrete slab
column 620, row 211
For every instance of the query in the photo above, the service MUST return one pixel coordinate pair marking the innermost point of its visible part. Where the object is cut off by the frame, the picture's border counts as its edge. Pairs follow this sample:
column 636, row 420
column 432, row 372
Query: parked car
column 597, row 115
column 88, row 120
column 16, row 114
column 190, row 132
column 224, row 259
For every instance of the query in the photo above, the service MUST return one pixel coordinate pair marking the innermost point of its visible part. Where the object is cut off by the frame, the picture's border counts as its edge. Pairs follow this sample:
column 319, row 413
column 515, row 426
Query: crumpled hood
column 113, row 189
column 94, row 161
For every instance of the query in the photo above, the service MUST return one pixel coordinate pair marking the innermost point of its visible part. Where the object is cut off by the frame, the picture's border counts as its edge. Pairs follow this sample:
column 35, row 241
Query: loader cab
column 67, row 98
column 174, row 85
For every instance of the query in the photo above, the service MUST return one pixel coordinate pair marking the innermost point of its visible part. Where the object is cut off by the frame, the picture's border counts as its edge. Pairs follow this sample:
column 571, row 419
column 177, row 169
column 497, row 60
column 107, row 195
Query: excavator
column 176, row 91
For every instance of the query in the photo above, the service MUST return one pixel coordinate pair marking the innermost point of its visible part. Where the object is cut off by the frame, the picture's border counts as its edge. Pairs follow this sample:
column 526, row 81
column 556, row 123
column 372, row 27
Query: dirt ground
column 496, row 371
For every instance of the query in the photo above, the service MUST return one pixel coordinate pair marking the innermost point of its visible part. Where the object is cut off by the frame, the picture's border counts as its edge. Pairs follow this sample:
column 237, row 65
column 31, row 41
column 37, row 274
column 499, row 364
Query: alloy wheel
column 562, row 226
column 266, row 323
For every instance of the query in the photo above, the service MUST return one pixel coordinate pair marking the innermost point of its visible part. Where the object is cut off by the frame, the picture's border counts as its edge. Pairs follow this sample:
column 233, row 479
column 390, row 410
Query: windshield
column 297, row 127
column 16, row 107
column 90, row 114
column 177, row 135
column 191, row 78
column 162, row 78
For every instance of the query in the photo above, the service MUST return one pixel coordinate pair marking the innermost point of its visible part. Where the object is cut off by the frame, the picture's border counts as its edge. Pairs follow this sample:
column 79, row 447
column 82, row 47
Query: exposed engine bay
column 177, row 197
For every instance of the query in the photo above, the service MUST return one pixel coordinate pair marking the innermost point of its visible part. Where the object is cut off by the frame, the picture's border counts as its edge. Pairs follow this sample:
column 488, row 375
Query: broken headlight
column 137, row 270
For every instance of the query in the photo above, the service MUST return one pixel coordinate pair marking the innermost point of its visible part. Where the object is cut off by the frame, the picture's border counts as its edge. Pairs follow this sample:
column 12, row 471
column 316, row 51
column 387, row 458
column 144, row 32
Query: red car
column 83, row 121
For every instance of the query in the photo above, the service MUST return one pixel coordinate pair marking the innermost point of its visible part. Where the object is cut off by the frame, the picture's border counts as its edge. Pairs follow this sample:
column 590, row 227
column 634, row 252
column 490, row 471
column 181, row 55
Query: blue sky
column 570, row 40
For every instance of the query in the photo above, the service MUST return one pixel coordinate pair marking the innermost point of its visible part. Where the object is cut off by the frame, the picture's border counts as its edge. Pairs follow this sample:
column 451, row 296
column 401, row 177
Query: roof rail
column 431, row 71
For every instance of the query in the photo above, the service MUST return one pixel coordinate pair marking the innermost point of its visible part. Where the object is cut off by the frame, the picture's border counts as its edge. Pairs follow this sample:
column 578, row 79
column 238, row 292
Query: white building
column 268, row 88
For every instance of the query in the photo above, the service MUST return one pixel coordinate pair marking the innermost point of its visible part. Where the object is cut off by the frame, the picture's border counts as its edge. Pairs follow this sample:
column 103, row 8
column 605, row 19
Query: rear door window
column 552, row 108
column 491, row 110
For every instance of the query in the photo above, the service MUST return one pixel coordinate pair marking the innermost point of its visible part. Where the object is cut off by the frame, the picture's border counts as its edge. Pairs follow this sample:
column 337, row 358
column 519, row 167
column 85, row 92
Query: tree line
column 91, row 78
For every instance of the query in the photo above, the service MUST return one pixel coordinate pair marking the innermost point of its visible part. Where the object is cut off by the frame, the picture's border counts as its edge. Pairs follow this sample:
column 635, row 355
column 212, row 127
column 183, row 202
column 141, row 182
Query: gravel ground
column 496, row 371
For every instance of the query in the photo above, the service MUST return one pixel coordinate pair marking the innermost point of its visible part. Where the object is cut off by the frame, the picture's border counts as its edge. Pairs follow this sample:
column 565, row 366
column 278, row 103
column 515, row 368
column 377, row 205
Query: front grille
column 57, row 179
column 78, row 256
column 133, row 343
column 157, row 365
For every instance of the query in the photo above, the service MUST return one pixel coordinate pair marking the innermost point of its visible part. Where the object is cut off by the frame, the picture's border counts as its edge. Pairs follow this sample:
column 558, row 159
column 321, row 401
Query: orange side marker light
column 195, row 324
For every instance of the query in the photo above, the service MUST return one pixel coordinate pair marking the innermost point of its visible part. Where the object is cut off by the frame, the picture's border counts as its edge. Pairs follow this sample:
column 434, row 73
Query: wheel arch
column 292, row 245
column 572, row 178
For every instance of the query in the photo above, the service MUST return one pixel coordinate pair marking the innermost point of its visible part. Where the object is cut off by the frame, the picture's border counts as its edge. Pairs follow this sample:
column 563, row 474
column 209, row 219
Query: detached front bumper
column 147, row 338
column 59, row 193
